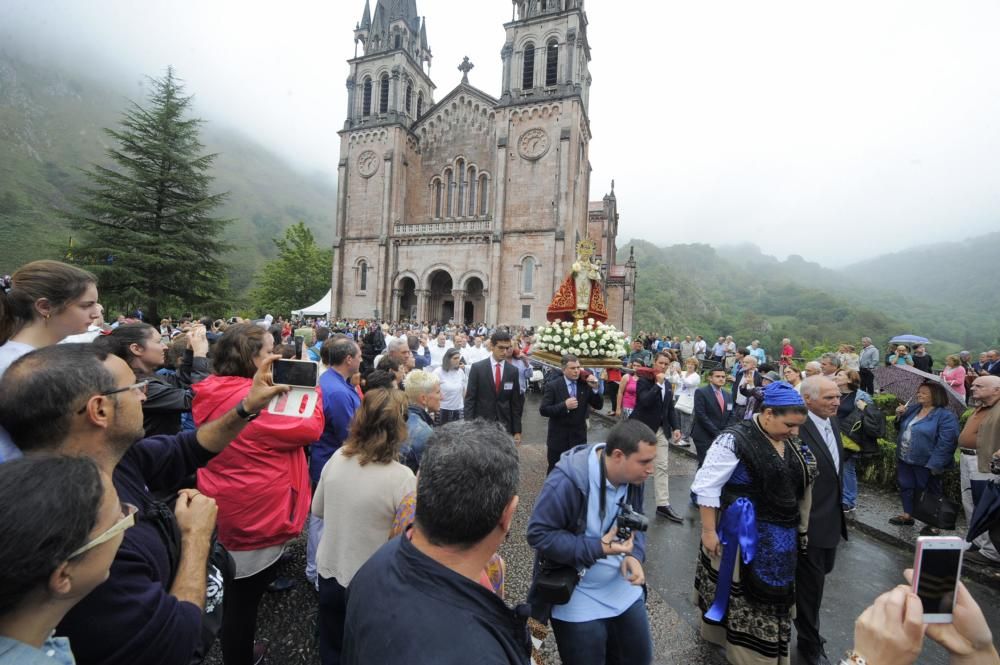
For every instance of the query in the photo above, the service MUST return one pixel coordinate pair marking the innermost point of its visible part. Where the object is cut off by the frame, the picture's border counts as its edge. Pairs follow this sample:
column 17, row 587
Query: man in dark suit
column 564, row 402
column 827, row 524
column 713, row 408
column 494, row 388
column 654, row 405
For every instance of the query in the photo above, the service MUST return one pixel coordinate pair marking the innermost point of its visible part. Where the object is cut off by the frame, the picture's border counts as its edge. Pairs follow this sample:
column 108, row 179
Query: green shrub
column 879, row 470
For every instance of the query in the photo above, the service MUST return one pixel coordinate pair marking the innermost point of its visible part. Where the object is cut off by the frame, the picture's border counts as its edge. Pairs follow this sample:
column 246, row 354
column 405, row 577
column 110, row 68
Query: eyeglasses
column 127, row 520
column 141, row 387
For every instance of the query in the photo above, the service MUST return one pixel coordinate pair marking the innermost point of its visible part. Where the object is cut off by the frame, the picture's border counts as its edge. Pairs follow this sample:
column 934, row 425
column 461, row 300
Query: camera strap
column 602, row 499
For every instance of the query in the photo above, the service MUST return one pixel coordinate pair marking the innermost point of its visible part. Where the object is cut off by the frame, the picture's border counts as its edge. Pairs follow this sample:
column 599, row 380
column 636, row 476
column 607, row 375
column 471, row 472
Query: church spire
column 366, row 18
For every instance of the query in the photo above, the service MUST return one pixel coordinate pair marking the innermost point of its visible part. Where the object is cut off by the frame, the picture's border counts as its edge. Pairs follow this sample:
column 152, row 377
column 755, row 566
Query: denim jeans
column 314, row 531
column 913, row 480
column 850, row 483
column 620, row 640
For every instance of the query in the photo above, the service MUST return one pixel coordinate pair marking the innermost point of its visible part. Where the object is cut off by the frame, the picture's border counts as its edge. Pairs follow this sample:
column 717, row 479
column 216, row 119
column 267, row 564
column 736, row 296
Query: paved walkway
column 866, row 566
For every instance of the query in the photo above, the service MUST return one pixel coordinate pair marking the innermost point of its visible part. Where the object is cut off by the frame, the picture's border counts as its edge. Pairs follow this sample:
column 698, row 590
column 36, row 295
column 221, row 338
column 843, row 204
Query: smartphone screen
column 294, row 373
column 936, row 585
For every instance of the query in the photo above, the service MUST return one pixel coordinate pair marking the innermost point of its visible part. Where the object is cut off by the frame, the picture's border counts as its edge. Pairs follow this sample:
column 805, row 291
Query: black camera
column 628, row 521
column 995, row 465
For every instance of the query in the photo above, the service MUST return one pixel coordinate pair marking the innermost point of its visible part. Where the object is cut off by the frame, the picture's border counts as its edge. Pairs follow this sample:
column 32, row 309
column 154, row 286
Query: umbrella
column 903, row 381
column 909, row 339
column 987, row 514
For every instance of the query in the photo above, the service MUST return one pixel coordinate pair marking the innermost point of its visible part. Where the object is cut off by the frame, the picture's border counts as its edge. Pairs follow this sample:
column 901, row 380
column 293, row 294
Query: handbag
column 685, row 403
column 937, row 510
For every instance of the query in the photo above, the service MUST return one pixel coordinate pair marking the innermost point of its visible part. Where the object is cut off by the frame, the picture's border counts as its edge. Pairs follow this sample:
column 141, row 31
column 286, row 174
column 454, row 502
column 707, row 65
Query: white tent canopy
column 321, row 308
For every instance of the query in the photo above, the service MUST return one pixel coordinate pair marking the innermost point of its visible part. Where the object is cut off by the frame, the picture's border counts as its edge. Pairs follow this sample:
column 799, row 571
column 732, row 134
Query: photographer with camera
column 589, row 518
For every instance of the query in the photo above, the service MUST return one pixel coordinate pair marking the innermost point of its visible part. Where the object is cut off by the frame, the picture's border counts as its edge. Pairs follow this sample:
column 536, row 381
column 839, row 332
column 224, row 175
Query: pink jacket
column 261, row 480
column 955, row 377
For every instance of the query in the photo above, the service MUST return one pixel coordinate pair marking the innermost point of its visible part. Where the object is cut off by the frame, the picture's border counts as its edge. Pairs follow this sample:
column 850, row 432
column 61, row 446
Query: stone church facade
column 469, row 208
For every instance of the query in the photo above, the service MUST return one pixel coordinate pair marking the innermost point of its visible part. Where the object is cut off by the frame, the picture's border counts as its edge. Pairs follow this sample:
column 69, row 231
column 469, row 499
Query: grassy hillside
column 695, row 289
column 51, row 127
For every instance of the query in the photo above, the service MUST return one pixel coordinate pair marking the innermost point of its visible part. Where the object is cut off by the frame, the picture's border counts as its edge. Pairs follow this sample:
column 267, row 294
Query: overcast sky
column 876, row 124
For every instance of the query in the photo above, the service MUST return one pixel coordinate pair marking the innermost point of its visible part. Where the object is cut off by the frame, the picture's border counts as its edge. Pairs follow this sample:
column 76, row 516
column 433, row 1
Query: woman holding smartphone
column 260, row 481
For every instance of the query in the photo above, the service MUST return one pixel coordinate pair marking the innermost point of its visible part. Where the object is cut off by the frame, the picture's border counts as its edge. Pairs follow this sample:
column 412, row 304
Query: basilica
column 466, row 206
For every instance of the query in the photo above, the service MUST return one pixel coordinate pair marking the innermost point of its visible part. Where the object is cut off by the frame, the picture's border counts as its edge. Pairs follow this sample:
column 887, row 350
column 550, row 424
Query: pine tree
column 298, row 277
column 147, row 226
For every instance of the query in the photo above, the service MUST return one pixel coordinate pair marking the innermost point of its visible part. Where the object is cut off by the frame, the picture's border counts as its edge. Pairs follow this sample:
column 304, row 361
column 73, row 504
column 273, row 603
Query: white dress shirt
column 825, row 428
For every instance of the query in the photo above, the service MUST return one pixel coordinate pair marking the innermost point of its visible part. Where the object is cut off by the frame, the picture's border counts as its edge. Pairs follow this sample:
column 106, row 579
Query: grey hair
column 866, row 339
column 812, row 386
column 418, row 382
column 813, row 364
column 468, row 475
column 832, row 357
column 398, row 344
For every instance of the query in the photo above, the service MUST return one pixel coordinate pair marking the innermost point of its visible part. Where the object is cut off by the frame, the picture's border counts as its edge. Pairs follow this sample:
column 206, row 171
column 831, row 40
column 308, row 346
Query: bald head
column 986, row 390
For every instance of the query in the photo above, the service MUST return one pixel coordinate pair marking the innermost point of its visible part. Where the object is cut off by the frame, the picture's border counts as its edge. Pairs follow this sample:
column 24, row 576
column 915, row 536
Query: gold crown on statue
column 586, row 248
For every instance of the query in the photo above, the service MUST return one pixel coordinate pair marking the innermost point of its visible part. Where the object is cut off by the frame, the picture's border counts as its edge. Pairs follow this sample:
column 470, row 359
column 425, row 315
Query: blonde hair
column 418, row 382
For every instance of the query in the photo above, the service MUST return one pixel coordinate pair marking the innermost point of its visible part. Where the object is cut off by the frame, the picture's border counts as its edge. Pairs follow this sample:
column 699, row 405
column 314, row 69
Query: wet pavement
column 865, row 568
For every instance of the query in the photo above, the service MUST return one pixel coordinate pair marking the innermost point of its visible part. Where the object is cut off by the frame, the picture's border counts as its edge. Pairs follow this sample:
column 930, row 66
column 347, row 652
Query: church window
column 363, row 276
column 484, row 186
column 528, row 73
column 383, row 94
column 398, row 41
column 366, row 98
column 525, row 311
column 437, row 198
column 472, row 192
column 450, row 175
column 409, row 97
column 420, row 104
column 527, row 275
column 551, row 63
column 460, row 168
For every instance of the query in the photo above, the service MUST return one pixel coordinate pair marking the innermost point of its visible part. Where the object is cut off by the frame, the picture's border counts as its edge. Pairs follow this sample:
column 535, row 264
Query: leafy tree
column 298, row 277
column 147, row 224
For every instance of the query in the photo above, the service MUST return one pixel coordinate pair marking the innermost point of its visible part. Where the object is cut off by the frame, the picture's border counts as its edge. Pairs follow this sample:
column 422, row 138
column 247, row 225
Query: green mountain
column 51, row 125
column 696, row 289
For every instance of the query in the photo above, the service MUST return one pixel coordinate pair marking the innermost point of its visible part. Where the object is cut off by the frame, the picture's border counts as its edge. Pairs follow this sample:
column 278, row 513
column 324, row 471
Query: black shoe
column 813, row 657
column 668, row 512
column 281, row 584
column 978, row 558
column 928, row 530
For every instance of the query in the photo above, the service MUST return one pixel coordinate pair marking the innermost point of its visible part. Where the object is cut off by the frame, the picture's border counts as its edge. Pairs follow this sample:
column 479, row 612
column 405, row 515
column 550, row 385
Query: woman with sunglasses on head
column 60, row 526
column 168, row 396
column 260, row 482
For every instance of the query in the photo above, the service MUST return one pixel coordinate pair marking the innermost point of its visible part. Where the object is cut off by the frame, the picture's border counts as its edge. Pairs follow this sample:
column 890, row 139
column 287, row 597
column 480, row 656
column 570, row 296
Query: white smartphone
column 936, row 567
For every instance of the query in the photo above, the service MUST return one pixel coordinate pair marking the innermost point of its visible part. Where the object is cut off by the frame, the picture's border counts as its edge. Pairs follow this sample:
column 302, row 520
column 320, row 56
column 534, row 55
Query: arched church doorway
column 475, row 302
column 407, row 299
column 441, row 303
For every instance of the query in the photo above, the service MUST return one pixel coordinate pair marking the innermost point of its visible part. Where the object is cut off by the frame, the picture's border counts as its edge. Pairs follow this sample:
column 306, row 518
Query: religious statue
column 580, row 295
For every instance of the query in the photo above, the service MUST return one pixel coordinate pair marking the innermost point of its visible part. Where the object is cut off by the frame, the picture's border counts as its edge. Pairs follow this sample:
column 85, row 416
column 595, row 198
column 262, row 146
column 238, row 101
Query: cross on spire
column 465, row 68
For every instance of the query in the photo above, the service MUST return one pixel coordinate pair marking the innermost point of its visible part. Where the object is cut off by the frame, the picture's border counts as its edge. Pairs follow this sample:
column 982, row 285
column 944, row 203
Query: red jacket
column 260, row 481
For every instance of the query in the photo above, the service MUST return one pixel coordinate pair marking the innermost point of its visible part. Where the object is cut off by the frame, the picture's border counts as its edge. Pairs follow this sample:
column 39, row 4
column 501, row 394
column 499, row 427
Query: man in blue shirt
column 343, row 357
column 574, row 524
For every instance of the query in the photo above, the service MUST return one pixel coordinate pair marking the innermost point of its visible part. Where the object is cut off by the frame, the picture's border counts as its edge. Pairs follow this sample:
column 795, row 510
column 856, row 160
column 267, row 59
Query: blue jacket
column 419, row 428
column 340, row 401
column 556, row 530
column 932, row 440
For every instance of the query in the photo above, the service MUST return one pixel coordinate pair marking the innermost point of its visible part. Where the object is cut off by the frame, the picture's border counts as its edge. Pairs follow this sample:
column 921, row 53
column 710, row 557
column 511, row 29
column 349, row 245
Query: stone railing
column 432, row 228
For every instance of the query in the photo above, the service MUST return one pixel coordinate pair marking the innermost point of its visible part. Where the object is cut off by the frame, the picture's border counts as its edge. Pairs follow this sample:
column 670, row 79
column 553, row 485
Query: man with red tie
column 494, row 388
column 713, row 409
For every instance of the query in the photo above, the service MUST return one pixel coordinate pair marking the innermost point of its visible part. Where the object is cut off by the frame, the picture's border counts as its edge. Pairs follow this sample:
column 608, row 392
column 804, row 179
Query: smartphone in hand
column 936, row 567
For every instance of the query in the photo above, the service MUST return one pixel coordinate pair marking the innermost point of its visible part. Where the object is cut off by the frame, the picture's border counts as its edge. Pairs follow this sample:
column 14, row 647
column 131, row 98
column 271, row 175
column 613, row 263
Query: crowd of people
column 150, row 491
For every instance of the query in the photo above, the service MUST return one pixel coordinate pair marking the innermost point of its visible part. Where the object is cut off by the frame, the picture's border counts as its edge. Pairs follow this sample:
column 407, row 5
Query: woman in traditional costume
column 754, row 492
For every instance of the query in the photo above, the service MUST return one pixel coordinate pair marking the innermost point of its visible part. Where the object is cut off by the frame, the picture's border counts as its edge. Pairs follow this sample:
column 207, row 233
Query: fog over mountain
column 837, row 133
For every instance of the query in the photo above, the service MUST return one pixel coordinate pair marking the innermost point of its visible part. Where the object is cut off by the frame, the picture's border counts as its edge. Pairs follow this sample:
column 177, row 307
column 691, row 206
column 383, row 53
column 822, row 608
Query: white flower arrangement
column 583, row 338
